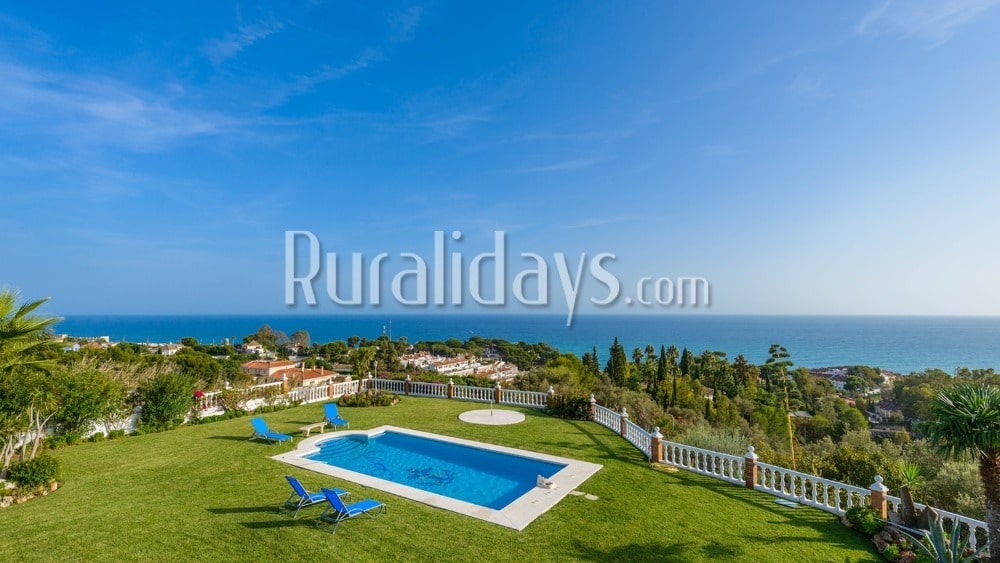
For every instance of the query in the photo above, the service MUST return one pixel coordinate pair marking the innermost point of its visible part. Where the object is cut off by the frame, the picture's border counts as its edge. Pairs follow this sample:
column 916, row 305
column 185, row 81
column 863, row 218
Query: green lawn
column 204, row 493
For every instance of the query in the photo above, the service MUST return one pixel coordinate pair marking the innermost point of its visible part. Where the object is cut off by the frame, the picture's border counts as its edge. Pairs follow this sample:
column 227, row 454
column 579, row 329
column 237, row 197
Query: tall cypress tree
column 686, row 360
column 590, row 363
column 661, row 372
column 617, row 367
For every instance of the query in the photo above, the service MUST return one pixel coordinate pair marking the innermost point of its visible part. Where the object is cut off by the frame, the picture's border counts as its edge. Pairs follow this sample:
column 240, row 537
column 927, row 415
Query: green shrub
column 574, row 406
column 115, row 434
column 165, row 400
column 55, row 442
column 863, row 519
column 98, row 437
column 36, row 472
column 891, row 552
column 369, row 398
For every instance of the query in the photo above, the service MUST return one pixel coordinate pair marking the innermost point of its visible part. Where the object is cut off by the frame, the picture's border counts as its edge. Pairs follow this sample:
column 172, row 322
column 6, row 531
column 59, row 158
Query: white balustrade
column 831, row 496
column 393, row 385
column 210, row 401
column 524, row 398
column 345, row 388
column 607, row 418
column 308, row 395
column 423, row 389
column 639, row 438
column 727, row 467
column 469, row 393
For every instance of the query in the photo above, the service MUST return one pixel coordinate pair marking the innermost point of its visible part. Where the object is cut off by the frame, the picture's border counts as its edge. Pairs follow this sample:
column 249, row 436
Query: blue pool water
column 487, row 478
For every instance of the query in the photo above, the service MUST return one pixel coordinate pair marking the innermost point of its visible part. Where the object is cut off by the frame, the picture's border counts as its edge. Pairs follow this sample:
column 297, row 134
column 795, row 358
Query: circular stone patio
column 496, row 417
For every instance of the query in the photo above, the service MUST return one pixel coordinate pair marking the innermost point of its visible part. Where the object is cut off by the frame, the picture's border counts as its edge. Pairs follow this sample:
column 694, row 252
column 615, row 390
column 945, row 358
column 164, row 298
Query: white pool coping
column 516, row 515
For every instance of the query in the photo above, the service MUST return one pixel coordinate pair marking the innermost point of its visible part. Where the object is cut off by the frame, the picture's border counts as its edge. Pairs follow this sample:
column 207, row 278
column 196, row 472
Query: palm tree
column 966, row 419
column 22, row 334
column 22, row 339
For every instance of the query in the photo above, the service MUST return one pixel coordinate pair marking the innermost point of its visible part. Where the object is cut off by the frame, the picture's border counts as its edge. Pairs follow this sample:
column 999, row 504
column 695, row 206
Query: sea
column 902, row 344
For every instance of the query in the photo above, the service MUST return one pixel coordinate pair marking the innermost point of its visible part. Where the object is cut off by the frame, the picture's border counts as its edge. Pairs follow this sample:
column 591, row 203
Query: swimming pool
column 484, row 477
column 492, row 483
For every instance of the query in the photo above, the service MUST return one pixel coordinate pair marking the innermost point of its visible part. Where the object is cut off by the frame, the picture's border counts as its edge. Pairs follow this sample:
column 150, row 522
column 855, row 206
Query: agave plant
column 941, row 548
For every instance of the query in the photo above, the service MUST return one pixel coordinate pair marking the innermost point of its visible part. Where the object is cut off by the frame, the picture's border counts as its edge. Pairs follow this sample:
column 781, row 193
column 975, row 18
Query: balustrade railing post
column 624, row 422
column 406, row 385
column 878, row 500
column 284, row 384
column 750, row 468
column 451, row 388
column 496, row 393
column 330, row 389
column 656, row 446
column 593, row 407
column 549, row 394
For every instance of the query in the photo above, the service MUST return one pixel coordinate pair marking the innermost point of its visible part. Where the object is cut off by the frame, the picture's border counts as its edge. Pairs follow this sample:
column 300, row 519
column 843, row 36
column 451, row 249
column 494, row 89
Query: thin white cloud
column 562, row 166
column 936, row 20
column 402, row 28
column 326, row 73
column 97, row 110
column 403, row 24
column 454, row 125
column 602, row 221
column 753, row 71
column 22, row 34
column 220, row 50
column 719, row 150
column 809, row 84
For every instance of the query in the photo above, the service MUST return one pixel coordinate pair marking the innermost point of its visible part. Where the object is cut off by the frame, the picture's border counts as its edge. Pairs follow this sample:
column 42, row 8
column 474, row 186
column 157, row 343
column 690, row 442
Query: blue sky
column 805, row 158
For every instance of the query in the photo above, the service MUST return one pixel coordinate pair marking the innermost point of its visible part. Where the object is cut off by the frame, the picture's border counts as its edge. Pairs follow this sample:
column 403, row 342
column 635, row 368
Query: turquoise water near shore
column 901, row 344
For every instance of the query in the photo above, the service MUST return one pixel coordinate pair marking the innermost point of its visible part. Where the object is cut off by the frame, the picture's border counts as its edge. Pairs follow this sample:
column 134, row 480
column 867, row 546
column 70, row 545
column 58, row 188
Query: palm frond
column 966, row 419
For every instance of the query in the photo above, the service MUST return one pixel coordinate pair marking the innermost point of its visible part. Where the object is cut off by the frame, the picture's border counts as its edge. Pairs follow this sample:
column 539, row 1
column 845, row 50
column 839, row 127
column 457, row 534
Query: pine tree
column 779, row 361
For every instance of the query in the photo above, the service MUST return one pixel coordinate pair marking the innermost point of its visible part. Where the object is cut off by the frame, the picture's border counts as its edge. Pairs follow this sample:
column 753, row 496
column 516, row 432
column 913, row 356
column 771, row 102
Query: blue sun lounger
column 333, row 416
column 260, row 430
column 301, row 498
column 337, row 512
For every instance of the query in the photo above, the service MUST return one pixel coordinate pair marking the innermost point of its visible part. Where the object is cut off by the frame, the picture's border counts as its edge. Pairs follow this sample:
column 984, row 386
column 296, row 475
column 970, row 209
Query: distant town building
column 253, row 347
column 266, row 368
column 168, row 349
column 300, row 377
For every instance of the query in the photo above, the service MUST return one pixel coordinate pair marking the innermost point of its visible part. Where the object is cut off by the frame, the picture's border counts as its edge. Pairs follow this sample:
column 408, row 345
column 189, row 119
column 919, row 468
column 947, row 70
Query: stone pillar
column 371, row 383
column 330, row 389
column 284, row 384
column 750, row 468
column 656, row 446
column 624, row 420
column 451, row 388
column 406, row 385
column 593, row 407
column 496, row 393
column 878, row 500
